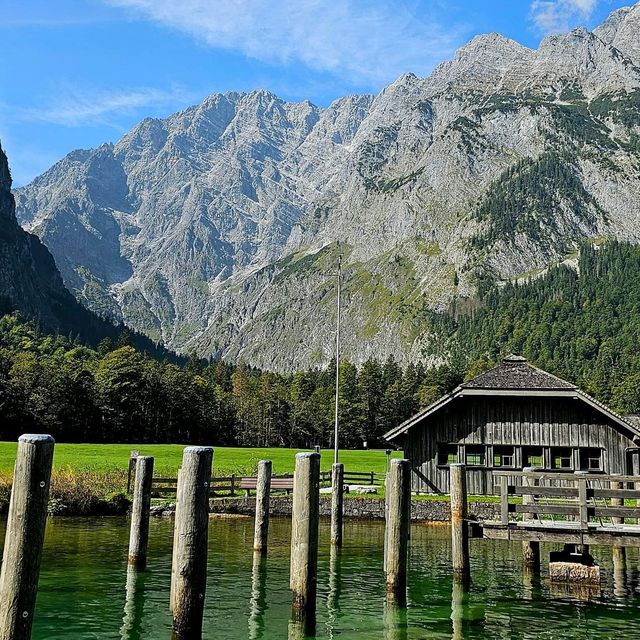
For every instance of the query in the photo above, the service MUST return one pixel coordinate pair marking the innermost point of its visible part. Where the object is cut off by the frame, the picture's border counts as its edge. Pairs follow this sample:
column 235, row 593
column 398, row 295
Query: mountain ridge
column 215, row 229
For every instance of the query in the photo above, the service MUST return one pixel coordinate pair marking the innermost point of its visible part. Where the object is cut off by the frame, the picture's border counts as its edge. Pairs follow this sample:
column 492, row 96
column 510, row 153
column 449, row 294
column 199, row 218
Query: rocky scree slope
column 215, row 229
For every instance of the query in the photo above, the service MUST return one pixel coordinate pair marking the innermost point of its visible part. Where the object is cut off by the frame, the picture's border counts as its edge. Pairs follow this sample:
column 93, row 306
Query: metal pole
column 335, row 432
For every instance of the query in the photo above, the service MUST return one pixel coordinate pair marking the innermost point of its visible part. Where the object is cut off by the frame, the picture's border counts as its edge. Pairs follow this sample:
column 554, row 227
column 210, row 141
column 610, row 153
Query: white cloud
column 560, row 16
column 368, row 41
column 82, row 107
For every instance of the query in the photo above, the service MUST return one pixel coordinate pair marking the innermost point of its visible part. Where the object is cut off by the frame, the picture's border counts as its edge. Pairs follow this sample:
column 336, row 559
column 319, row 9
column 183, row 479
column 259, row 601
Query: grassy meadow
column 101, row 458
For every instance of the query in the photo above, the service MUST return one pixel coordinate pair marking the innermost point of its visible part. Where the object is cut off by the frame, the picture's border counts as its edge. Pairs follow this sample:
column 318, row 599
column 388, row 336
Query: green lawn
column 226, row 460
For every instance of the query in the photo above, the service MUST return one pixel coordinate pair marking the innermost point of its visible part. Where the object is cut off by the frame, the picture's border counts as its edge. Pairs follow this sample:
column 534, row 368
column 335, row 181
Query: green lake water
column 86, row 592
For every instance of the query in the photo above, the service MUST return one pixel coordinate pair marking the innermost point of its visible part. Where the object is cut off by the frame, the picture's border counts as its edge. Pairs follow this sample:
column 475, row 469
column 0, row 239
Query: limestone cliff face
column 29, row 280
column 215, row 229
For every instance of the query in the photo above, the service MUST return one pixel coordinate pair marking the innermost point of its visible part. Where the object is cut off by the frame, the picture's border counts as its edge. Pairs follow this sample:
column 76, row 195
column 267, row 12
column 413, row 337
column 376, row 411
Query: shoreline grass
column 168, row 457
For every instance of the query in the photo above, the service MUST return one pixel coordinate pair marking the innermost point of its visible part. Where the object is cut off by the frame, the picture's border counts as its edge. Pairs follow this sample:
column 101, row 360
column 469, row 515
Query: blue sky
column 77, row 73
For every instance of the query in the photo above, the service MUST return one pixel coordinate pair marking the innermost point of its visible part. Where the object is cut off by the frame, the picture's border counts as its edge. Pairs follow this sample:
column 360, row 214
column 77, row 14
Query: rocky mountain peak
column 215, row 229
column 621, row 30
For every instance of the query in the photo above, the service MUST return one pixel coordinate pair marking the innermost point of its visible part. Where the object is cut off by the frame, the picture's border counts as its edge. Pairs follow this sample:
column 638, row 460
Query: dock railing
column 587, row 499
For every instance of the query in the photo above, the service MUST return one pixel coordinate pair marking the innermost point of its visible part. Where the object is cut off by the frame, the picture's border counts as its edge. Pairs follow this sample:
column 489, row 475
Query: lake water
column 85, row 591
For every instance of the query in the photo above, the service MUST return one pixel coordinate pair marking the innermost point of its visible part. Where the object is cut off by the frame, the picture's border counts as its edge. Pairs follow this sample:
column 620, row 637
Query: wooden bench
column 278, row 483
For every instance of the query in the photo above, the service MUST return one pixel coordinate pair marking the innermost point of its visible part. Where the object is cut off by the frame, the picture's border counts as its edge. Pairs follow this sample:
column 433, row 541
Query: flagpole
column 335, row 432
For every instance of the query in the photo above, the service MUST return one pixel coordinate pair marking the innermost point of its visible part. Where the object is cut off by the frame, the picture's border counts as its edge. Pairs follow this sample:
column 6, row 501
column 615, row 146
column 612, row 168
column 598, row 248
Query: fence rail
column 356, row 477
column 231, row 485
column 583, row 498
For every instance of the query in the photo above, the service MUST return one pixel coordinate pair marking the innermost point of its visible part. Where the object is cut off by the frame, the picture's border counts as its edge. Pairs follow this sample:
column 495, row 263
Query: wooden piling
column 396, row 538
column 263, row 491
column 616, row 502
column 189, row 571
column 304, row 537
column 337, row 503
column 459, row 530
column 139, row 534
column 25, row 536
column 530, row 548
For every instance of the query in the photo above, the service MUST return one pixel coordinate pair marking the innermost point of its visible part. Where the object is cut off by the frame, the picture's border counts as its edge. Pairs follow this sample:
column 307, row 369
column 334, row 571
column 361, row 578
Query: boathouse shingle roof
column 514, row 376
column 514, row 372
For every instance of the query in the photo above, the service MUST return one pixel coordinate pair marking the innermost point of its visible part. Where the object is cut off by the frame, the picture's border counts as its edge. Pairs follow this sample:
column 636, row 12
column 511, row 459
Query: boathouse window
column 561, row 458
column 532, row 457
column 447, row 454
column 474, row 456
column 591, row 459
column 504, row 456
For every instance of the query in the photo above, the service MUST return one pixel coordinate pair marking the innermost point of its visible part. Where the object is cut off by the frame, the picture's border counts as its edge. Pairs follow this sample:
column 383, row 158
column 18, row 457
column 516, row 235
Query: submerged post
column 337, row 503
column 139, row 535
column 263, row 491
column 189, row 571
column 459, row 531
column 396, row 536
column 25, row 536
column 304, row 536
column 530, row 548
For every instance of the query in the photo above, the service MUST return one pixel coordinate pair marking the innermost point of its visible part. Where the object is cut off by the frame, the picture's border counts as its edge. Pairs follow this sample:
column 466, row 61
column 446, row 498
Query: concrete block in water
column 574, row 572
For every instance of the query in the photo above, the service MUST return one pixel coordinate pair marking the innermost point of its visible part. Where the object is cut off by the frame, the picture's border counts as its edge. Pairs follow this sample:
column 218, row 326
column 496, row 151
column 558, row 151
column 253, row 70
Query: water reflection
column 133, row 605
column 619, row 556
column 531, row 581
column 333, row 595
column 82, row 589
column 301, row 627
column 258, row 602
column 395, row 622
column 459, row 595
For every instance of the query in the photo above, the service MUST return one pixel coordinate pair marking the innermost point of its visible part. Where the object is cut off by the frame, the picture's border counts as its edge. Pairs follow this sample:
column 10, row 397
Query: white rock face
column 215, row 229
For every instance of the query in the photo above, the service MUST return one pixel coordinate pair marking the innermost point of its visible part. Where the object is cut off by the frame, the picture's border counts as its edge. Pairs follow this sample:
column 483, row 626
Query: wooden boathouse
column 512, row 417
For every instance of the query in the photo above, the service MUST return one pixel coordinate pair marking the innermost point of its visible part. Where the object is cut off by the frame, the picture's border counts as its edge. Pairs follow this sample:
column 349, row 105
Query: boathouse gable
column 511, row 417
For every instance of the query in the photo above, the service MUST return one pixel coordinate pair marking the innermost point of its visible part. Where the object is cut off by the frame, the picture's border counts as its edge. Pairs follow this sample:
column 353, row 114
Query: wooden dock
column 569, row 508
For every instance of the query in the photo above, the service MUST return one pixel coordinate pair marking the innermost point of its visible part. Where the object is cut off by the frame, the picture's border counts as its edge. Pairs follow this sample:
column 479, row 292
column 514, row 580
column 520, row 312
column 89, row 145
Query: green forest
column 115, row 393
column 581, row 324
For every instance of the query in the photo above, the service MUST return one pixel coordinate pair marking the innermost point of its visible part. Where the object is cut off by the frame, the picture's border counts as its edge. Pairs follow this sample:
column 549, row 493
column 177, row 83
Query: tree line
column 581, row 323
column 115, row 393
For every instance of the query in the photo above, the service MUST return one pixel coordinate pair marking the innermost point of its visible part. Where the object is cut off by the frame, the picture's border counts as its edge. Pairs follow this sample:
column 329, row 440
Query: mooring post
column 530, row 548
column 459, row 530
column 25, row 536
column 189, row 571
column 139, row 535
column 337, row 503
column 174, row 550
column 396, row 533
column 304, row 538
column 616, row 502
column 263, row 492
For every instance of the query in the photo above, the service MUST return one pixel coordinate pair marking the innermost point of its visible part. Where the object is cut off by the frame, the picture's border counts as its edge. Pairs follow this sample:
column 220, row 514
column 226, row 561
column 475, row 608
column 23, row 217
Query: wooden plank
column 504, row 499
column 555, row 475
column 550, row 492
column 616, row 512
column 624, row 494
column 546, row 509
column 582, row 498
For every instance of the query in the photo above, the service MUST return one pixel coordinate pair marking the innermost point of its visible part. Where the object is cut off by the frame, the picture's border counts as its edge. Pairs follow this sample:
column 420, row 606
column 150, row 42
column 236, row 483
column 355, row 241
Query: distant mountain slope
column 31, row 283
column 216, row 228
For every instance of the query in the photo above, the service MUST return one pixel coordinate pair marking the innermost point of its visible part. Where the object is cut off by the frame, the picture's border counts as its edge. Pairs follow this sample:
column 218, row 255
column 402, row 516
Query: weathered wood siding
column 517, row 421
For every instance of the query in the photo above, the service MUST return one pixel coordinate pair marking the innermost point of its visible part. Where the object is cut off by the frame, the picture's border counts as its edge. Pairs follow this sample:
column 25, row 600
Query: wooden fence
column 586, row 499
column 225, row 486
